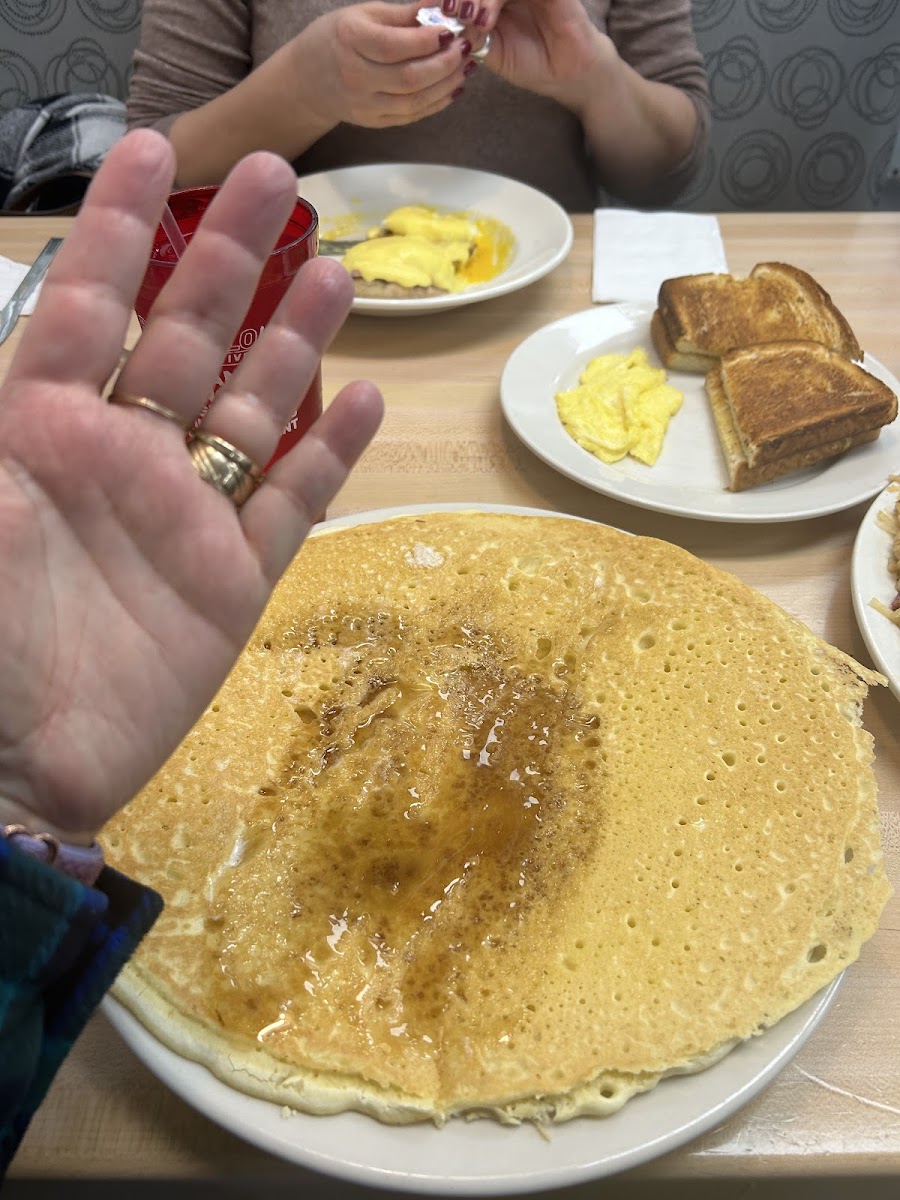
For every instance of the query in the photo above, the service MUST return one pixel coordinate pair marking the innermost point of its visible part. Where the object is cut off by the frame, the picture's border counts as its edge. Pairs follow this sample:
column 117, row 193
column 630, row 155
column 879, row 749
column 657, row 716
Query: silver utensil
column 334, row 248
column 9, row 313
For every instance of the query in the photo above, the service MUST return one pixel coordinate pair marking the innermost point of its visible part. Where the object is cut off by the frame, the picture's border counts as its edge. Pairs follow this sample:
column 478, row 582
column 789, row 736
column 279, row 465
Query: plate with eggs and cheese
column 427, row 238
column 589, row 395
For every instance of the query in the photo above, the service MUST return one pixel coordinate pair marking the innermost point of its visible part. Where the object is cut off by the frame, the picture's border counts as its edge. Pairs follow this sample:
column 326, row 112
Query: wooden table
column 836, row 1109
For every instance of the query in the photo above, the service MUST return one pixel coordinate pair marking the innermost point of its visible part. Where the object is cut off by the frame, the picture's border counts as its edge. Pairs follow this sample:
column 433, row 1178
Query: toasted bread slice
column 740, row 474
column 711, row 314
column 789, row 397
column 672, row 359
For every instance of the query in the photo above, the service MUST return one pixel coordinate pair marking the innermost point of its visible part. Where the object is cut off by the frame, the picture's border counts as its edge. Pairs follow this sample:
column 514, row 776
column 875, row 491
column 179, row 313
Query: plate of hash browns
column 875, row 579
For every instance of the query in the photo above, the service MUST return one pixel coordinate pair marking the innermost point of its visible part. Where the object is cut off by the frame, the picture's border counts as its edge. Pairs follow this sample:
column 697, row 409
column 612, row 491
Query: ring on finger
column 483, row 51
column 134, row 401
column 226, row 468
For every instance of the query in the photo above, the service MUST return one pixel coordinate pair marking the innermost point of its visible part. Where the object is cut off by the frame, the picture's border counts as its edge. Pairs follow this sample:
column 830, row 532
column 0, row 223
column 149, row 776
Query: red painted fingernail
column 445, row 38
column 449, row 7
column 483, row 17
column 456, row 95
column 466, row 46
column 466, row 9
column 470, row 66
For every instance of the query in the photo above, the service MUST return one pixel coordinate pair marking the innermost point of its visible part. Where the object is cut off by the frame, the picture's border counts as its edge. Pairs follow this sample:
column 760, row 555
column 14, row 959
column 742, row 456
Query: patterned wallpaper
column 51, row 46
column 806, row 93
column 806, row 103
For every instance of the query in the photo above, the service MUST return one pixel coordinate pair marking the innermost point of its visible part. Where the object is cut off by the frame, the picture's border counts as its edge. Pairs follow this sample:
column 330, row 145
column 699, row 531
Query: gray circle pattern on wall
column 874, row 91
column 806, row 86
column 116, row 16
column 878, row 172
column 706, row 14
column 737, row 78
column 861, row 17
column 33, row 16
column 19, row 81
column 83, row 67
column 780, row 16
column 705, row 176
column 831, row 170
column 755, row 169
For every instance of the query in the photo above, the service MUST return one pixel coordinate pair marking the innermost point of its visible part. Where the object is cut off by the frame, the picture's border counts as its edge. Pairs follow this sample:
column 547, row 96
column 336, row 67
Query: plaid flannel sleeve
column 61, row 946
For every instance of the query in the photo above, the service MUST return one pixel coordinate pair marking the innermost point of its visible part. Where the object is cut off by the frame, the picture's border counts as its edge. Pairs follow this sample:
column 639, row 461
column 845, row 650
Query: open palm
column 128, row 585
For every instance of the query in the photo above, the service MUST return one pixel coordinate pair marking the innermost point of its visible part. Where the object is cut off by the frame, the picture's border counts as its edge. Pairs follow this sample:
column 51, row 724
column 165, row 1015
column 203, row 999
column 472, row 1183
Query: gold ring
column 481, row 54
column 228, row 469
column 134, row 401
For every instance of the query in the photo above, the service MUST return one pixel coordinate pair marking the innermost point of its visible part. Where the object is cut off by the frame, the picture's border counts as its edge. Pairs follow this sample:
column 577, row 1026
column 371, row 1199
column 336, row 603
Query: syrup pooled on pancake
column 413, row 820
column 502, row 815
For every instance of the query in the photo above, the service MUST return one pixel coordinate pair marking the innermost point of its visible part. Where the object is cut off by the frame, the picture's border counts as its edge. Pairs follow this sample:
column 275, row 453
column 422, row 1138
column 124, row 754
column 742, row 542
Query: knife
column 10, row 312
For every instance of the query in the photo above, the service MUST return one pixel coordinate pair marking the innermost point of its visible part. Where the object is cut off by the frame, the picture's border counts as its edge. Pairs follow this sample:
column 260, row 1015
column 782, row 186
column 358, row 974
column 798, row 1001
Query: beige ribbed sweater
column 193, row 50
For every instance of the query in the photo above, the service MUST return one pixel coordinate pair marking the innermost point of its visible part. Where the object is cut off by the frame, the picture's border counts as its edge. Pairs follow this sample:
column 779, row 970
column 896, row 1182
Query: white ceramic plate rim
column 482, row 1157
column 689, row 477
column 870, row 579
column 543, row 230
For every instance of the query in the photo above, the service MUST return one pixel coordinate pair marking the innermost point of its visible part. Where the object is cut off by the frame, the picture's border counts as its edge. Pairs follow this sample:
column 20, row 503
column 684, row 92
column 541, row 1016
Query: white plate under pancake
column 689, row 477
column 482, row 1157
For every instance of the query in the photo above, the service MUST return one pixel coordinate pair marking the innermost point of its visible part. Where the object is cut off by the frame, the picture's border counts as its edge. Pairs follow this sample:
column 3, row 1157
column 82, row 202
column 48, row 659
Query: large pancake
column 503, row 815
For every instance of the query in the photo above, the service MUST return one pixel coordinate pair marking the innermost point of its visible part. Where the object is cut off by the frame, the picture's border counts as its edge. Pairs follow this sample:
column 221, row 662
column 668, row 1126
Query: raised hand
column 127, row 584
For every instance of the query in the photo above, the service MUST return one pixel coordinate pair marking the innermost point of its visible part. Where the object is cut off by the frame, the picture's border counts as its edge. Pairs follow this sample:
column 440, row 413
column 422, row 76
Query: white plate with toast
column 351, row 200
column 689, row 478
column 871, row 580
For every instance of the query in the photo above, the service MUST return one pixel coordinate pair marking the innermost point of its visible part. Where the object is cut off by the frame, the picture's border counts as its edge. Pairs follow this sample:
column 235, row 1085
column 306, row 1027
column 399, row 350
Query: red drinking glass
column 299, row 242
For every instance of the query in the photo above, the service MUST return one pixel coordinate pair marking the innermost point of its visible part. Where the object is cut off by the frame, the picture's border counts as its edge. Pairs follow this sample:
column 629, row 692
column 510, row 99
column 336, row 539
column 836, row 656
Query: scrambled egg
column 622, row 405
column 417, row 246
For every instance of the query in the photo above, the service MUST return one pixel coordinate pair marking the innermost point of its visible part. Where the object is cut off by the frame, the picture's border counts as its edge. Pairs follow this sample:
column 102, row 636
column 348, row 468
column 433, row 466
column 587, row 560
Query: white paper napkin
column 11, row 275
column 634, row 251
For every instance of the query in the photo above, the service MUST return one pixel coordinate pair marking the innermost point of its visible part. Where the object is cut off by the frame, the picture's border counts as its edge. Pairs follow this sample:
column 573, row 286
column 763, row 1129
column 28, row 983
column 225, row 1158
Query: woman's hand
column 637, row 129
column 539, row 45
column 372, row 65
column 369, row 65
column 128, row 585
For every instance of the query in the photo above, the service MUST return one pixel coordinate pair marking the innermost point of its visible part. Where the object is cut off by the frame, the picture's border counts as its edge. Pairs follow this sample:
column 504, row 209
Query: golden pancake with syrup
column 502, row 816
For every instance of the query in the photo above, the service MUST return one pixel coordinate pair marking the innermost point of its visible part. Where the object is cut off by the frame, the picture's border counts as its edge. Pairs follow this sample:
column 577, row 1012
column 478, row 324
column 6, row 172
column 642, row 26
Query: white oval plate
column 481, row 1157
column 542, row 229
column 689, row 477
column 870, row 579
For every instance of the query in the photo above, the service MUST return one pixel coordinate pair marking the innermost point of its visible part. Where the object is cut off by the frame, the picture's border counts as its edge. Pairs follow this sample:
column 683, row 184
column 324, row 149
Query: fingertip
column 330, row 286
column 372, row 401
column 349, row 423
column 335, row 277
column 363, row 409
column 267, row 165
column 149, row 152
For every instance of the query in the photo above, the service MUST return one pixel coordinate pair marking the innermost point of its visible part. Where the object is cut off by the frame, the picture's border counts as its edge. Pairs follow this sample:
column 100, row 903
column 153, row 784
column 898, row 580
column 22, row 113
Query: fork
column 335, row 247
column 9, row 314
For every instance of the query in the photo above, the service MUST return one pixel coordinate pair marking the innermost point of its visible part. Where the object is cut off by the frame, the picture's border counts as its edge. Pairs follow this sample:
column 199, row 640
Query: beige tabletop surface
column 835, row 1110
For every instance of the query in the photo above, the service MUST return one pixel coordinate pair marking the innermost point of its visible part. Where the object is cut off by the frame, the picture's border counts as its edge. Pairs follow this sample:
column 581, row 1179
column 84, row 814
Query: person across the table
column 579, row 98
